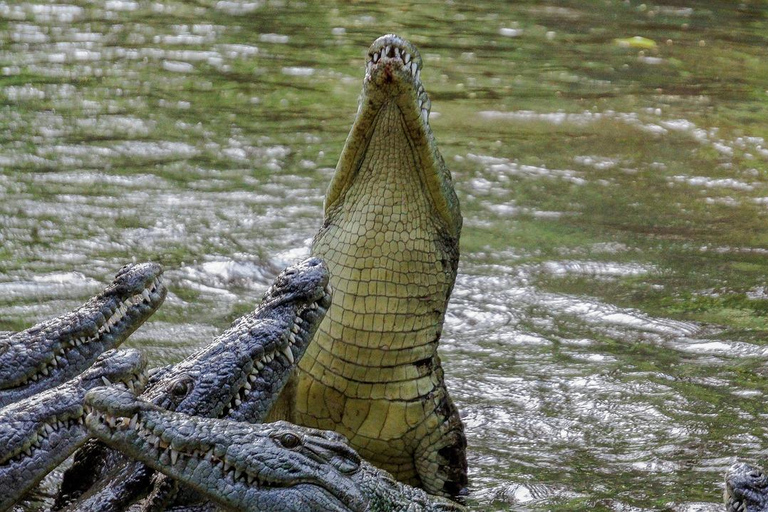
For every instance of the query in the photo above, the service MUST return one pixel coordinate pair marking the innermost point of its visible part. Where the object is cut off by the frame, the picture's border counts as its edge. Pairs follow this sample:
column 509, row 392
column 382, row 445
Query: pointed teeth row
column 116, row 316
column 164, row 449
column 394, row 52
column 43, row 433
column 145, row 298
column 286, row 354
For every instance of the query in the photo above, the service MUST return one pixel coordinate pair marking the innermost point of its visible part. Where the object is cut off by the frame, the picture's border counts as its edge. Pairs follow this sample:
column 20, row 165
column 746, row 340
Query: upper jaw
column 394, row 66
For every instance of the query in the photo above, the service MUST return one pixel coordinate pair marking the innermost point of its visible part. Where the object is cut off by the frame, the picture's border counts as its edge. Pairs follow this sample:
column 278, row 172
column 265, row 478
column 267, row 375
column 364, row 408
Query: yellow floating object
column 637, row 42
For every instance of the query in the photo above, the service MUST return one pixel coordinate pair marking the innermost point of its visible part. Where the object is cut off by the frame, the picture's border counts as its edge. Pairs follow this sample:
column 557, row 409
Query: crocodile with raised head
column 746, row 489
column 274, row 467
column 52, row 352
column 38, row 433
column 239, row 374
column 391, row 241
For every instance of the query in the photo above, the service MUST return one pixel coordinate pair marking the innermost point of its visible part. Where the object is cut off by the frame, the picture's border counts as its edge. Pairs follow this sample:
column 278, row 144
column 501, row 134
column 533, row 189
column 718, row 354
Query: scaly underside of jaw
column 113, row 316
column 284, row 351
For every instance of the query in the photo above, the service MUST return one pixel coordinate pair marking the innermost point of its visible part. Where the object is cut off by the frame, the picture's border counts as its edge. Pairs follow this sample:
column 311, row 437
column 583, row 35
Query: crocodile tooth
column 28, row 451
column 288, row 353
column 259, row 365
column 105, row 381
column 45, row 371
column 385, row 52
column 54, row 362
column 397, row 53
column 246, row 392
column 48, row 428
column 376, row 57
column 425, row 116
column 295, row 329
column 292, row 339
column 145, row 294
column 252, row 378
column 174, row 456
column 247, row 385
column 298, row 320
column 406, row 57
column 238, row 402
column 134, row 420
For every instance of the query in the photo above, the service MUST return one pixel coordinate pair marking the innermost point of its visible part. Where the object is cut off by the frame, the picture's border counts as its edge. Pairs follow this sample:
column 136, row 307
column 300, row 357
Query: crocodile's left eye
column 289, row 440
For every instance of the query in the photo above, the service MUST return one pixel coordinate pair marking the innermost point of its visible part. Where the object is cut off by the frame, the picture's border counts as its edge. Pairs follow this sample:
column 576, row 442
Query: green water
column 606, row 340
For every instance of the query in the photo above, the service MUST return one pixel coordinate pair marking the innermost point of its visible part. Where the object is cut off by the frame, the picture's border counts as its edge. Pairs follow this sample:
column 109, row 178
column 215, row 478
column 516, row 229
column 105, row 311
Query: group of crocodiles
column 329, row 396
column 339, row 359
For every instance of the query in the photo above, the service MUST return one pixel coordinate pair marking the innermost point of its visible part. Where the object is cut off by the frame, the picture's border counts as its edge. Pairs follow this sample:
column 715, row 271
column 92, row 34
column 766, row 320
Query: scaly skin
column 276, row 467
column 54, row 351
column 391, row 240
column 38, row 433
column 239, row 374
column 746, row 489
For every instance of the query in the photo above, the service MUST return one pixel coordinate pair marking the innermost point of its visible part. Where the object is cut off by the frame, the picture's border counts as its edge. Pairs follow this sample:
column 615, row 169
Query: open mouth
column 286, row 350
column 74, row 418
column 390, row 54
column 115, row 316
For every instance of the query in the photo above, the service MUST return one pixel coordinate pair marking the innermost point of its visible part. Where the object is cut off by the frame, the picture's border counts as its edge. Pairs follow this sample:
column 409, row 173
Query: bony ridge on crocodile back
column 391, row 240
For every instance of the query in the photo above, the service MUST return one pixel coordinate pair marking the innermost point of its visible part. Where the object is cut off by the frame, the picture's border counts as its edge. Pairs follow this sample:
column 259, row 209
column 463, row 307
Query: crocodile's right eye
column 289, row 440
column 181, row 388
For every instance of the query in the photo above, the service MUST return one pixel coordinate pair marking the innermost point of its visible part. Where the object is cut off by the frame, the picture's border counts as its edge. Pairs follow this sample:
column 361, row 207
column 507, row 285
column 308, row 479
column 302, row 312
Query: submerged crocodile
column 54, row 351
column 391, row 240
column 38, row 433
column 746, row 489
column 274, row 467
column 238, row 375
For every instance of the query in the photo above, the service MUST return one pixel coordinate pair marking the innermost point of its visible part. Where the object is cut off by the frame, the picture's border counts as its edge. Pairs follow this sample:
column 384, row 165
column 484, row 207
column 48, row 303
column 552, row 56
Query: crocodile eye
column 289, row 440
column 180, row 389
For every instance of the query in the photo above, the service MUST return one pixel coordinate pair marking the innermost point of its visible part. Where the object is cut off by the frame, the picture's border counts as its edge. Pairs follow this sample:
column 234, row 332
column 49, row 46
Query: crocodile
column 38, row 433
column 390, row 236
column 239, row 374
column 54, row 351
column 253, row 467
column 746, row 489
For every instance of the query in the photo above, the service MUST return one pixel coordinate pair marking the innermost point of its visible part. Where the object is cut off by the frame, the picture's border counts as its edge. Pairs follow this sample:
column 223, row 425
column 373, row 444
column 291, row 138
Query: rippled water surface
column 606, row 339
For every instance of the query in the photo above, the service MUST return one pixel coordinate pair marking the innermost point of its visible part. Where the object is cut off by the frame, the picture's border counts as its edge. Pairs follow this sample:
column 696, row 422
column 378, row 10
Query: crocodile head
column 746, row 489
column 38, row 433
column 394, row 100
column 56, row 350
column 287, row 317
column 276, row 466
